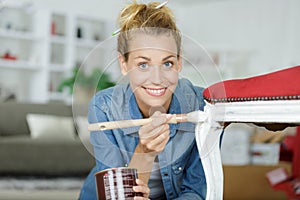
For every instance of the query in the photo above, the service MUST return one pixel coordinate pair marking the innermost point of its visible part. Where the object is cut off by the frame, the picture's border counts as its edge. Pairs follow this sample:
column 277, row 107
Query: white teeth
column 155, row 91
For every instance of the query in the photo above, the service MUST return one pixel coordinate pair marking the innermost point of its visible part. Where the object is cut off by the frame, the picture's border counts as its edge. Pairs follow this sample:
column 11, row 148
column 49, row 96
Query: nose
column 157, row 75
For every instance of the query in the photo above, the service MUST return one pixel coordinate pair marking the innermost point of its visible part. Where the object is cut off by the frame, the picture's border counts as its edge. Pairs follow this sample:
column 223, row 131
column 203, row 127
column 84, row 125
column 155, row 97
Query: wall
column 265, row 29
column 105, row 9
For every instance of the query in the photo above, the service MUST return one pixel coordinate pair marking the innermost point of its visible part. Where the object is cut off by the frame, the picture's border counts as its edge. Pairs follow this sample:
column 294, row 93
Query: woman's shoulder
column 107, row 95
column 186, row 86
column 189, row 93
column 111, row 102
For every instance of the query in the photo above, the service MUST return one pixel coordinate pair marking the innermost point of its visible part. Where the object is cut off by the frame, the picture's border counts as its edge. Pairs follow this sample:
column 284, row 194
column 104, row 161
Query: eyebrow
column 170, row 56
column 148, row 59
column 143, row 57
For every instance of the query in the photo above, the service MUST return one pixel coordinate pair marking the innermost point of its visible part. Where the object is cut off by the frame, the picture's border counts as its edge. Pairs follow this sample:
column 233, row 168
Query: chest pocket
column 178, row 168
column 179, row 165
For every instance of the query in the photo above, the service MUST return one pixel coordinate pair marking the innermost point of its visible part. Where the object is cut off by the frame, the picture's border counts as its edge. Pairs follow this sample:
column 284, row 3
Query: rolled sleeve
column 106, row 151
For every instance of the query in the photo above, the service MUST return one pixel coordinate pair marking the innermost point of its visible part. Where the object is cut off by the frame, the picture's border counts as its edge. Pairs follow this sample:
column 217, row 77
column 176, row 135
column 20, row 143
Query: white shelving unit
column 59, row 36
column 46, row 45
column 39, row 48
column 18, row 64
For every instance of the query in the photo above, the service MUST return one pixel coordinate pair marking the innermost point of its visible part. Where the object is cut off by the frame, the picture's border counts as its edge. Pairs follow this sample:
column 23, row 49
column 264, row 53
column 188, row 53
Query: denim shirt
column 180, row 166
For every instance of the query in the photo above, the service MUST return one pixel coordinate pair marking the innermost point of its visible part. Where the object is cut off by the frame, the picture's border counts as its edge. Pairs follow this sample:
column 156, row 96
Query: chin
column 157, row 104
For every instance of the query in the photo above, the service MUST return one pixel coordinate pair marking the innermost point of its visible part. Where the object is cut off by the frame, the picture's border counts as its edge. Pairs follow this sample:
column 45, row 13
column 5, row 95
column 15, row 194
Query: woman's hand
column 153, row 139
column 142, row 188
column 155, row 135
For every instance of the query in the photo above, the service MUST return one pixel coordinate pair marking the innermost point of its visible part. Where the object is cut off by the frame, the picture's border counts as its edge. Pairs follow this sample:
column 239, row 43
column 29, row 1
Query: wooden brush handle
column 101, row 126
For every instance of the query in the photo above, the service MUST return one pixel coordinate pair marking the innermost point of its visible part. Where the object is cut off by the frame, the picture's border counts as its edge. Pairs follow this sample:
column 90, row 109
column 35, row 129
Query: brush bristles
column 196, row 116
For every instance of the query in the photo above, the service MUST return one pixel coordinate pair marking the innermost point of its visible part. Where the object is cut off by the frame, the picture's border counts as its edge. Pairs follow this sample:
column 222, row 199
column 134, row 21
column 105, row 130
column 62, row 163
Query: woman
column 166, row 156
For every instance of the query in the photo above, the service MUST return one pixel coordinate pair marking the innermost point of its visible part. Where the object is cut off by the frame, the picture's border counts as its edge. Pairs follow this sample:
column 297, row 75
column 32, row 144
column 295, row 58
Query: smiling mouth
column 156, row 91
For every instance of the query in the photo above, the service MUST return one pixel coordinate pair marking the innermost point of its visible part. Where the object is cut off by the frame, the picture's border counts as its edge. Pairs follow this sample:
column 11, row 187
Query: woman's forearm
column 143, row 162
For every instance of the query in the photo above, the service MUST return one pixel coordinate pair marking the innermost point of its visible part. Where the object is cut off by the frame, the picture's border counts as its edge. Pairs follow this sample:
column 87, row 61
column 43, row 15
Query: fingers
column 141, row 198
column 153, row 132
column 142, row 188
column 157, row 120
column 153, row 128
column 159, row 142
column 155, row 135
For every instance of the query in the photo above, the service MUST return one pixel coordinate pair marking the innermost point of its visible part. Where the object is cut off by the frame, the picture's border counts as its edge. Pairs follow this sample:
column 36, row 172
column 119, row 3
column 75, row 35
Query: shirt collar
column 181, row 105
column 133, row 112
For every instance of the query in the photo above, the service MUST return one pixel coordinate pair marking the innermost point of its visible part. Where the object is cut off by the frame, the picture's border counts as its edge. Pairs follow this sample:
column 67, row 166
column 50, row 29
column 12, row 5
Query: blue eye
column 168, row 65
column 143, row 66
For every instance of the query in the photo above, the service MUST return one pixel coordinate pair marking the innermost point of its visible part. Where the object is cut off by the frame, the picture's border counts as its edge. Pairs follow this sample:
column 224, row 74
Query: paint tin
column 116, row 183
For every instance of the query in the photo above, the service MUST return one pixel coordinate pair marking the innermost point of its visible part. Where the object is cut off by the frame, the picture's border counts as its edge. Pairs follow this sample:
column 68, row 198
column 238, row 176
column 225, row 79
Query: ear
column 123, row 64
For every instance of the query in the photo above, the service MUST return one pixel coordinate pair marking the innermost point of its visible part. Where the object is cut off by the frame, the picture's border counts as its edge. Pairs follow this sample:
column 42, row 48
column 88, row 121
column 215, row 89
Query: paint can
column 116, row 183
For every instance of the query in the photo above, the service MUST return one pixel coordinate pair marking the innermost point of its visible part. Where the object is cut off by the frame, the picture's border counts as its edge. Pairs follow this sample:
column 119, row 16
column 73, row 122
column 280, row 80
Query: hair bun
column 137, row 15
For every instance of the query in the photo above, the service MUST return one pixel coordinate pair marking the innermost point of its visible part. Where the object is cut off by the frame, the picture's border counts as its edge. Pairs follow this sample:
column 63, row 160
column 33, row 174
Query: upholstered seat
column 279, row 85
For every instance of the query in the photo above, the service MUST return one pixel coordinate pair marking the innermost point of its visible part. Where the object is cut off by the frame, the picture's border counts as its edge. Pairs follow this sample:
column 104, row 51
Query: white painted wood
column 18, row 65
column 207, row 138
column 19, row 35
column 281, row 111
column 208, row 131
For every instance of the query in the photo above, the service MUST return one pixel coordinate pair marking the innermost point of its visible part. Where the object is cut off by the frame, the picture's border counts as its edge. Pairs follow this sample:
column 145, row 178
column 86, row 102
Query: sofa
column 39, row 154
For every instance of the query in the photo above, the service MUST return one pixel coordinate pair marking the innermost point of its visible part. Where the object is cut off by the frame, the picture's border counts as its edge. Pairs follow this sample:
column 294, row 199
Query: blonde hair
column 146, row 18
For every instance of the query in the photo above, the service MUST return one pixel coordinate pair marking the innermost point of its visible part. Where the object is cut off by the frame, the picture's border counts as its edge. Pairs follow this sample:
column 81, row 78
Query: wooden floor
column 39, row 195
column 248, row 182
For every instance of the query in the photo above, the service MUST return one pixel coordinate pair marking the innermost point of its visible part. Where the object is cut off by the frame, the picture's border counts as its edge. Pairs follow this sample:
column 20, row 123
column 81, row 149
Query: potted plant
column 86, row 84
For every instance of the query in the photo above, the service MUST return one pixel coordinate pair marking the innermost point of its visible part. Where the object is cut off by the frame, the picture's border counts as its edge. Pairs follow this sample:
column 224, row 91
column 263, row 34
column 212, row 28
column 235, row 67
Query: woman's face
column 152, row 66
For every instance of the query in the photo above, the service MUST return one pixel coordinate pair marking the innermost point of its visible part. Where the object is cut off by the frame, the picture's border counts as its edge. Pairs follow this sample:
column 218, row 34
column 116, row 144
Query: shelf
column 58, row 24
column 47, row 45
column 18, row 35
column 57, row 68
column 57, row 39
column 89, row 31
column 18, row 64
column 58, row 53
column 87, row 43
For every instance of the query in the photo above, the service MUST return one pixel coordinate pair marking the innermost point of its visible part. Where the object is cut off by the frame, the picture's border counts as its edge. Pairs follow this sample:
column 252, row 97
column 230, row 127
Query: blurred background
column 43, row 42
column 47, row 39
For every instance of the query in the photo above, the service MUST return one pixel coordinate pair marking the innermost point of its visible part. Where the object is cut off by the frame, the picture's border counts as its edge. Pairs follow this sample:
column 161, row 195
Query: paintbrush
column 195, row 117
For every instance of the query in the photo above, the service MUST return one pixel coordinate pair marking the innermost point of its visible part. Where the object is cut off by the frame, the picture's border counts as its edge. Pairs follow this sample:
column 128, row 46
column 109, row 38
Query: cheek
column 172, row 76
column 137, row 78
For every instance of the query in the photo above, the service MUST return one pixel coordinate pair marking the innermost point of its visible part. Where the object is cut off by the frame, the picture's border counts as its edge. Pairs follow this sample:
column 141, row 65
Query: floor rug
column 32, row 183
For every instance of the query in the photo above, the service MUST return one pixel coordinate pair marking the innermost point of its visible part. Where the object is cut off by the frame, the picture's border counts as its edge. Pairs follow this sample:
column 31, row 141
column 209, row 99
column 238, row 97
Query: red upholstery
column 279, row 85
